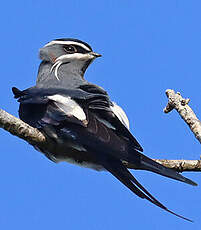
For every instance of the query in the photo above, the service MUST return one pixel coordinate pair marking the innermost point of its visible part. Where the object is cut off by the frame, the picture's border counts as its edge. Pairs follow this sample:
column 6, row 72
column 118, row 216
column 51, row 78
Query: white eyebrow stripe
column 68, row 43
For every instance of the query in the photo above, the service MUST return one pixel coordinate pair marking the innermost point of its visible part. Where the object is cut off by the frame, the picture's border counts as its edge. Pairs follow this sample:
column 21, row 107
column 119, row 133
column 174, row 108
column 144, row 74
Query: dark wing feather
column 100, row 104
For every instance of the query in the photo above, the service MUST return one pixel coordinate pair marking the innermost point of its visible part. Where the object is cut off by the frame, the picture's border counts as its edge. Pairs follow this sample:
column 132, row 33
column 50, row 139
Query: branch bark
column 177, row 165
column 33, row 136
column 176, row 101
column 18, row 128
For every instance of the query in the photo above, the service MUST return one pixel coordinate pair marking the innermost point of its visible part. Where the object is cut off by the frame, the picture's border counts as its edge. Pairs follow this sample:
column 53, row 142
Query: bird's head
column 78, row 54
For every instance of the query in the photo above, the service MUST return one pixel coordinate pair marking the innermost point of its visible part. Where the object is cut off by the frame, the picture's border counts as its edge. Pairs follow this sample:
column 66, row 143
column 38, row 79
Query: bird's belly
column 72, row 156
column 84, row 164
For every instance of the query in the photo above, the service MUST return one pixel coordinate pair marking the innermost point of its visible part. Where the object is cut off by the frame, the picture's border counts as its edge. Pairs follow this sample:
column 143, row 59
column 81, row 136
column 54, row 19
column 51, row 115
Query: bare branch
column 24, row 131
column 33, row 136
column 176, row 101
column 177, row 165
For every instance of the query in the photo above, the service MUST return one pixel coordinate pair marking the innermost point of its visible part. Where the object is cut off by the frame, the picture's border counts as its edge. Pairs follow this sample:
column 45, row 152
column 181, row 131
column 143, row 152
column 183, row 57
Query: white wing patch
column 69, row 107
column 118, row 111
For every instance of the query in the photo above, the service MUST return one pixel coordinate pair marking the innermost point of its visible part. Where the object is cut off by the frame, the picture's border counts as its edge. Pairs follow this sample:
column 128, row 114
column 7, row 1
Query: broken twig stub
column 176, row 101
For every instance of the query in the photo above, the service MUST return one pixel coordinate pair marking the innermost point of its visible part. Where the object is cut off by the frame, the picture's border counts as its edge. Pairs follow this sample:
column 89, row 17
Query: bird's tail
column 146, row 163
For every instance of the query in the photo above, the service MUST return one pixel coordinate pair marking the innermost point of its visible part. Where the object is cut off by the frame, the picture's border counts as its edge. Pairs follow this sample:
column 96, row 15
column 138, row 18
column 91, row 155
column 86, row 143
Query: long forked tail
column 117, row 169
column 150, row 165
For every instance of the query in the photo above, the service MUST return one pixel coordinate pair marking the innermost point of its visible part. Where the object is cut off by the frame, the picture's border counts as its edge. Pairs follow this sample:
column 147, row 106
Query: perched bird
column 87, row 128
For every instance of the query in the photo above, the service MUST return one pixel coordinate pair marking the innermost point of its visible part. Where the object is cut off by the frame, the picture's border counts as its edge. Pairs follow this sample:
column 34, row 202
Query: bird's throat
column 62, row 75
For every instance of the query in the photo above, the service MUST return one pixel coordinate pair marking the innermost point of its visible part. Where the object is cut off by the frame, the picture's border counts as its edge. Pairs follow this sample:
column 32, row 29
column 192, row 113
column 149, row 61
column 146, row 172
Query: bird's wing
column 40, row 107
column 121, row 138
column 110, row 112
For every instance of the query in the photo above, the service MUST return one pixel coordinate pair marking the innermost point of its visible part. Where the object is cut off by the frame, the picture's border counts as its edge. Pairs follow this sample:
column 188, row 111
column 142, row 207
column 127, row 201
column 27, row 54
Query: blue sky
column 147, row 47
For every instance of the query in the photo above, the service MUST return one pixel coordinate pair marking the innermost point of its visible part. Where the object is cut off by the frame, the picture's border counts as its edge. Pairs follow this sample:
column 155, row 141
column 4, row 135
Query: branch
column 177, row 165
column 176, row 101
column 33, row 136
column 18, row 128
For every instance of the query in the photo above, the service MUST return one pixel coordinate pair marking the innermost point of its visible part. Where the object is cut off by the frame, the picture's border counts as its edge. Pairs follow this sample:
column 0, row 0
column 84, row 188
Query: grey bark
column 176, row 101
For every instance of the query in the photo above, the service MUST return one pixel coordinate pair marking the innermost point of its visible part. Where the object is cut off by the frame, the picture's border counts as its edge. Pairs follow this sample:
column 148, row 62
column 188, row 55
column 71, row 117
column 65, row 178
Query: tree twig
column 176, row 101
column 177, row 165
column 18, row 128
column 33, row 136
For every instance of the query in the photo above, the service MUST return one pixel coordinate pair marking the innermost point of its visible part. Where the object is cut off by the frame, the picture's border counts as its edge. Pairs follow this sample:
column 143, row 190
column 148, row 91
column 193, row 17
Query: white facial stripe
column 77, row 56
column 68, row 43
column 69, row 57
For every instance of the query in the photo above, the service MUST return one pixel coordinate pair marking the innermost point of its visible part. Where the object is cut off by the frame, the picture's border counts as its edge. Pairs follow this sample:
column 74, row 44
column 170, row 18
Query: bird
column 86, row 126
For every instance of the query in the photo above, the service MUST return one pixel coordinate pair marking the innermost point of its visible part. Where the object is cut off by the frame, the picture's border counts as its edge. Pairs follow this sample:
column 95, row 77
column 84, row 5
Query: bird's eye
column 70, row 49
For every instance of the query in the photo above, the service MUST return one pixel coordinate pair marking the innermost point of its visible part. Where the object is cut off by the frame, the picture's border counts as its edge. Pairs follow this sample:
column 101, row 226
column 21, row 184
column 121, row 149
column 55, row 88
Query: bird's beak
column 95, row 54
